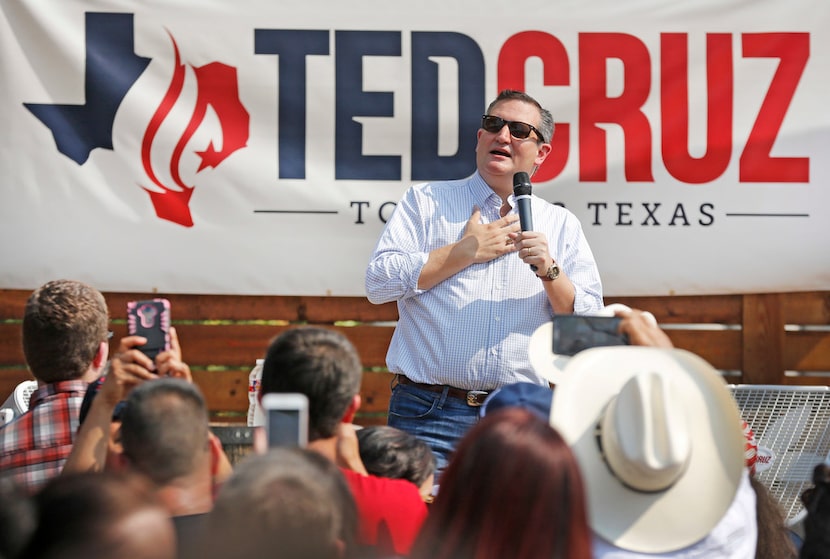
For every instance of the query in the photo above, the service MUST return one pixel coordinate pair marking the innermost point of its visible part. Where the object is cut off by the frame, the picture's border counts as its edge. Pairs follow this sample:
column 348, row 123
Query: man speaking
column 467, row 304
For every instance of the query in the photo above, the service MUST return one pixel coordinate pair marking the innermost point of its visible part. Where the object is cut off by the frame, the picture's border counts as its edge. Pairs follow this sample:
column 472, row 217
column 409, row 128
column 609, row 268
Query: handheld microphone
column 521, row 194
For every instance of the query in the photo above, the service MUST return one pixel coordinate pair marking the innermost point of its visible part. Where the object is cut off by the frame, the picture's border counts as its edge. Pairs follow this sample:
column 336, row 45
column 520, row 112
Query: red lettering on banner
column 597, row 107
column 556, row 71
column 674, row 107
column 595, row 49
column 793, row 50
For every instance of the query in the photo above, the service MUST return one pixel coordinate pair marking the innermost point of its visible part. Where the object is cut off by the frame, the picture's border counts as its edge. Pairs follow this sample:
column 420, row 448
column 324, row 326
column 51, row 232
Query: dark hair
column 546, row 123
column 78, row 516
column 64, row 323
column 164, row 429
column 390, row 452
column 320, row 363
column 511, row 474
column 773, row 535
column 17, row 518
column 817, row 522
column 289, row 503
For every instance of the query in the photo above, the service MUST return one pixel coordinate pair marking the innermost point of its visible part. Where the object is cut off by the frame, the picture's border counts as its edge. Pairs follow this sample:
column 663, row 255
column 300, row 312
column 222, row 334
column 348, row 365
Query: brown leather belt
column 473, row 398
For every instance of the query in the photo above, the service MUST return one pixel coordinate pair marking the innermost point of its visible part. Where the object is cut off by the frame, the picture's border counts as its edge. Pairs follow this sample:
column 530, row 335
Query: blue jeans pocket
column 408, row 405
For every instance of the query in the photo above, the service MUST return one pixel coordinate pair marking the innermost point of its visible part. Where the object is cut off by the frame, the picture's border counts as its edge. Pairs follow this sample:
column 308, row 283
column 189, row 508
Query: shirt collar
column 63, row 386
column 480, row 190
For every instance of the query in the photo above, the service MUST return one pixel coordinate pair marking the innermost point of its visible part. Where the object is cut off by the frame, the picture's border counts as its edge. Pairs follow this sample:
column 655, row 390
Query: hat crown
column 644, row 434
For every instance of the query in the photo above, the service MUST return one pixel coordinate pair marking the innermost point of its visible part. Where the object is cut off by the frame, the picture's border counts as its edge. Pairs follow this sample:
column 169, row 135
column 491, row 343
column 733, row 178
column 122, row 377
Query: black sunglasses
column 520, row 130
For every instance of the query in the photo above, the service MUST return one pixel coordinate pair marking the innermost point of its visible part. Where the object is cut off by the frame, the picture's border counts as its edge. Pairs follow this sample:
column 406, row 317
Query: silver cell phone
column 572, row 333
column 286, row 419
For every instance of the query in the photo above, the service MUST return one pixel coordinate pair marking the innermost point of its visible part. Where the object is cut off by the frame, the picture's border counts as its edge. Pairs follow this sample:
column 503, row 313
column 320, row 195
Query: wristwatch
column 551, row 274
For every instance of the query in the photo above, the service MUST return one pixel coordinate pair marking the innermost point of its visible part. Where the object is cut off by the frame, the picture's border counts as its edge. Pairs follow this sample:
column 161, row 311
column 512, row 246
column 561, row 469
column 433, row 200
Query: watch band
column 551, row 274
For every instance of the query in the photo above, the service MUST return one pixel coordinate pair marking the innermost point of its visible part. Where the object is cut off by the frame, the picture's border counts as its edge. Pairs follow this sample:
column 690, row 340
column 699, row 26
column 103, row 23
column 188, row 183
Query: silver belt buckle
column 472, row 397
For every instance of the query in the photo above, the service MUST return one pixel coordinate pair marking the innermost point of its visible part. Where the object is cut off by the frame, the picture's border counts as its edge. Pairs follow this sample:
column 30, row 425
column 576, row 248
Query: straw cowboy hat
column 551, row 365
column 658, row 437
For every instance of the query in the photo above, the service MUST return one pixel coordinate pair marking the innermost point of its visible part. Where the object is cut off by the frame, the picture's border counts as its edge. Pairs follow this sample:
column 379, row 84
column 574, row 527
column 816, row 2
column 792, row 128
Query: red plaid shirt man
column 34, row 447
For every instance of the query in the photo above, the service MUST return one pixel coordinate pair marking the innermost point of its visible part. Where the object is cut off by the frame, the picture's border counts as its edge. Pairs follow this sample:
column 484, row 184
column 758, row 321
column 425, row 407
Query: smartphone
column 151, row 319
column 286, row 419
column 572, row 333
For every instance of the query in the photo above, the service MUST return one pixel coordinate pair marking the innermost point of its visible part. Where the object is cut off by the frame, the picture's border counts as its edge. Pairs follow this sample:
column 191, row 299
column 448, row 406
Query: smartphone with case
column 573, row 333
column 151, row 319
column 286, row 419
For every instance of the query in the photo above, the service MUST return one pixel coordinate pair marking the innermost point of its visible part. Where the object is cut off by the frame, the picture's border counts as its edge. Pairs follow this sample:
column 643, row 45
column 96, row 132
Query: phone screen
column 286, row 419
column 574, row 333
column 284, row 428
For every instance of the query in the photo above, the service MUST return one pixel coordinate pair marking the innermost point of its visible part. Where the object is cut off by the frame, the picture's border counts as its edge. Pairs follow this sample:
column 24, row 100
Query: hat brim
column 540, row 351
column 686, row 512
column 540, row 348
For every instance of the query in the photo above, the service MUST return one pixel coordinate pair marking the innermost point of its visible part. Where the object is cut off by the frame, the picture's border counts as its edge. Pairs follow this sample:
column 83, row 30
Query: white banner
column 244, row 147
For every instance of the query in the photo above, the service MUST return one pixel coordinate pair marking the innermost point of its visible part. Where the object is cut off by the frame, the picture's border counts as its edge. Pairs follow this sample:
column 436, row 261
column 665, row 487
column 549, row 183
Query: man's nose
column 504, row 134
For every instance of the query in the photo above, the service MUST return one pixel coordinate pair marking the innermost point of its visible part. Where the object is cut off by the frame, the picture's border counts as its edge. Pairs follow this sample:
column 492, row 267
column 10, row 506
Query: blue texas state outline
column 112, row 67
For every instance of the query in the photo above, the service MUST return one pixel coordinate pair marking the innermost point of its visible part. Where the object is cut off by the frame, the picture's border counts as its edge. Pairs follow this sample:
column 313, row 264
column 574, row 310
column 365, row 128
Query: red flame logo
column 217, row 87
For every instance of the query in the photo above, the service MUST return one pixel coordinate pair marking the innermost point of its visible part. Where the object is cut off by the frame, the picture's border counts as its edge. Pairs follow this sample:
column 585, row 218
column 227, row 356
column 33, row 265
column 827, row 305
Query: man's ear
column 348, row 417
column 120, row 462
column 541, row 155
column 101, row 355
column 220, row 465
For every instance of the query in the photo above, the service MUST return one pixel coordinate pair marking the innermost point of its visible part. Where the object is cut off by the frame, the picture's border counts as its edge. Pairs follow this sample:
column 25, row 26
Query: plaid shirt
column 34, row 447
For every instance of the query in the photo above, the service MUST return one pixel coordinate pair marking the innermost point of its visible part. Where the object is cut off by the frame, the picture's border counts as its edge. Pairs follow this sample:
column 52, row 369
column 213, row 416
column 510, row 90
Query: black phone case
column 150, row 319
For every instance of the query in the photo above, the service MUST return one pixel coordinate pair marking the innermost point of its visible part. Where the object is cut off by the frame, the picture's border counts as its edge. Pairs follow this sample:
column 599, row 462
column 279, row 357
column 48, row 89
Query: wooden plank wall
column 777, row 338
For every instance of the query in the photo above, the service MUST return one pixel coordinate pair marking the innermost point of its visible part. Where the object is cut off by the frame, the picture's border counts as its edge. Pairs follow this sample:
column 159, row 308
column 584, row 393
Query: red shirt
column 391, row 512
column 34, row 447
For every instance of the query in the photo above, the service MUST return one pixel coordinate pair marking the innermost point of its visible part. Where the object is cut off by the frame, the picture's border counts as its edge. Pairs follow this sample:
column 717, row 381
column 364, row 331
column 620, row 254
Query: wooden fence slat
column 720, row 348
column 11, row 345
column 224, row 390
column 763, row 339
column 375, row 391
column 811, row 307
column 249, row 307
column 319, row 309
column 687, row 309
column 807, row 351
column 12, row 303
column 240, row 345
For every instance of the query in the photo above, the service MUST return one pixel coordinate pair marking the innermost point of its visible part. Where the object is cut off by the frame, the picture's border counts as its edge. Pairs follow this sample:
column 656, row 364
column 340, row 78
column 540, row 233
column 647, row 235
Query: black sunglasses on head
column 519, row 130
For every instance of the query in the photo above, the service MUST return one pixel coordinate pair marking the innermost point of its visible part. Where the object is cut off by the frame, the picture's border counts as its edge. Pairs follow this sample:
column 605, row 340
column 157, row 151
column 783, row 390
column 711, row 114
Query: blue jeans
column 437, row 419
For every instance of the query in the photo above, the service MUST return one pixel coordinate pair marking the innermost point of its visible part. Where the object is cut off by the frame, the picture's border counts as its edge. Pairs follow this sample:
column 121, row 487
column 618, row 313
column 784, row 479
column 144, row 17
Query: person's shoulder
column 385, row 488
column 10, row 432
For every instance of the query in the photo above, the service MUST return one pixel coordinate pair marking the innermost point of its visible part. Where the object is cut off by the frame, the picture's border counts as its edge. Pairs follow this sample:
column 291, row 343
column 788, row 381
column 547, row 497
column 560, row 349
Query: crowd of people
column 636, row 451
column 652, row 467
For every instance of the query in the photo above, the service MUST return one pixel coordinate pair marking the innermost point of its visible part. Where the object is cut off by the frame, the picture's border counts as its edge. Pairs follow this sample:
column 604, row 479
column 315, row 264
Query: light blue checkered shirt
column 472, row 330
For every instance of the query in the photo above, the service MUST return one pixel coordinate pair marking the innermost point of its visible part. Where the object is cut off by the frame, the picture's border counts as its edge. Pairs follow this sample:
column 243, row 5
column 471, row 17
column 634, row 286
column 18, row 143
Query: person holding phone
column 324, row 365
column 162, row 432
column 65, row 341
column 454, row 258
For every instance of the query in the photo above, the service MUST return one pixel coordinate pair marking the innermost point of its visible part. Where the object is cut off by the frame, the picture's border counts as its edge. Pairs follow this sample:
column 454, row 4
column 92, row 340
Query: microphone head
column 521, row 184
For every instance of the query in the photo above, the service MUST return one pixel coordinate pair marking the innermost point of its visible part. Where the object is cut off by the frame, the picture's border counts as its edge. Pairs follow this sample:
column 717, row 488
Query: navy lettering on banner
column 292, row 46
column 427, row 164
column 351, row 101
